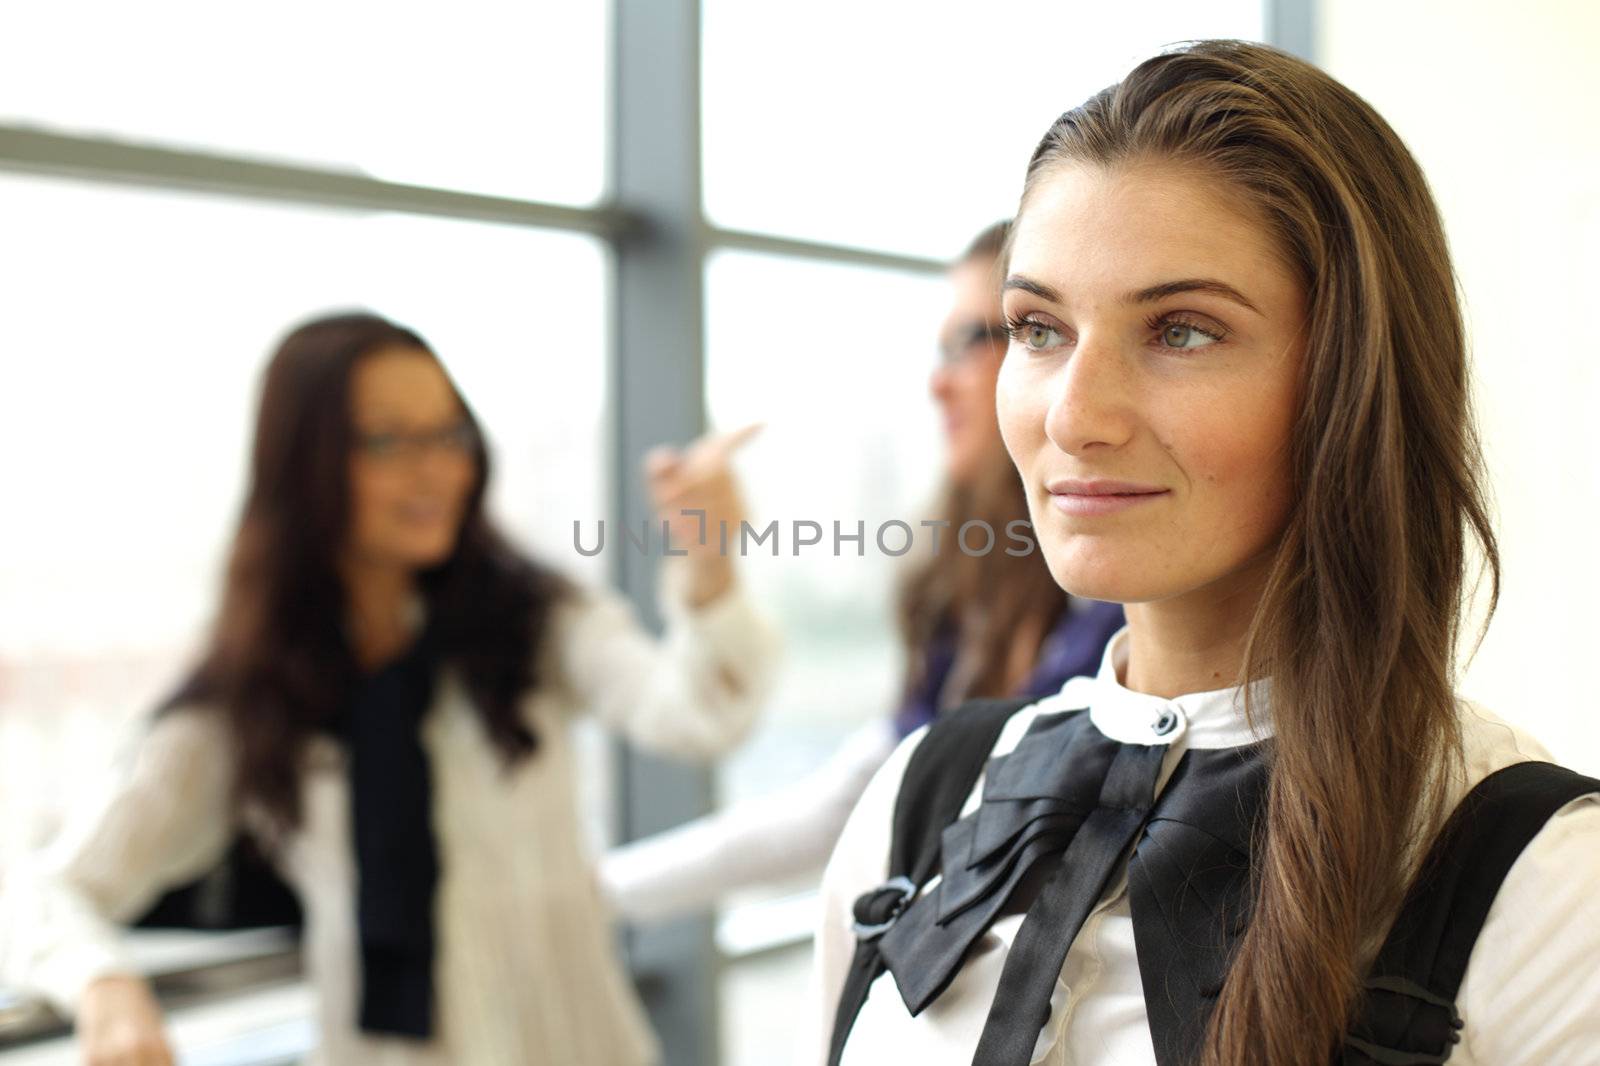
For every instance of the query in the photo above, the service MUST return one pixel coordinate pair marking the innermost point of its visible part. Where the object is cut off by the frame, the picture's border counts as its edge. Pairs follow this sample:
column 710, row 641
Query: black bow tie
column 1057, row 817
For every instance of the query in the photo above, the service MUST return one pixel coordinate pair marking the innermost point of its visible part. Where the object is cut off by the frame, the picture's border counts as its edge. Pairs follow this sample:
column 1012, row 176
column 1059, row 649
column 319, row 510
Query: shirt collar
column 1200, row 719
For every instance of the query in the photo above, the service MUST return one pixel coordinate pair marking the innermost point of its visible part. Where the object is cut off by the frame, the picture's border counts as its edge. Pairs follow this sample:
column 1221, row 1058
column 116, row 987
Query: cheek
column 1237, row 459
column 466, row 475
column 366, row 503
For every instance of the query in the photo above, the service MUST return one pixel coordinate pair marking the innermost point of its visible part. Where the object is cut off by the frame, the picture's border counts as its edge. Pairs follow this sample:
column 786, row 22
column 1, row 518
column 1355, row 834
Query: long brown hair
column 988, row 598
column 1357, row 630
column 277, row 664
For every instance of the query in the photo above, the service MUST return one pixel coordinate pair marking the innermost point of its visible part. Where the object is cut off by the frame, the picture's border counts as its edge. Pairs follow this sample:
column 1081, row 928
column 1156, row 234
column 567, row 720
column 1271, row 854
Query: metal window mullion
column 657, row 395
column 1292, row 26
column 86, row 158
column 842, row 255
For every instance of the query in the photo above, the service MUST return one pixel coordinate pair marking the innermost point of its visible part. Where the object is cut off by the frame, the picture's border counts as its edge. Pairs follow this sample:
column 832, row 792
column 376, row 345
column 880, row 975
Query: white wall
column 1498, row 101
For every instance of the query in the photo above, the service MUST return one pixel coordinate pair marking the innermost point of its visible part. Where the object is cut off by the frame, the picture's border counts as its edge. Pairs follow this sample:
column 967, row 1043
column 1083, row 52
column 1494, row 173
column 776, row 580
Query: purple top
column 1072, row 648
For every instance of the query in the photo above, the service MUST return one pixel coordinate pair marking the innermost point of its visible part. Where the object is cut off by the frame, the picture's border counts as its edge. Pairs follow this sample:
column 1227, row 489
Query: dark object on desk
column 242, row 892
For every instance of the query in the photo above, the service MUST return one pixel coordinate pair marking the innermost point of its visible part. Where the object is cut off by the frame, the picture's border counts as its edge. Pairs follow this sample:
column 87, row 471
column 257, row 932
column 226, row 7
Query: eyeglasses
column 458, row 439
column 972, row 340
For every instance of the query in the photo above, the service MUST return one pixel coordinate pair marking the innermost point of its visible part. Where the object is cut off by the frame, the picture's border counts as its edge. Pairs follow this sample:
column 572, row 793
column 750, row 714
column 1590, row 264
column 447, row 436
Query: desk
column 231, row 999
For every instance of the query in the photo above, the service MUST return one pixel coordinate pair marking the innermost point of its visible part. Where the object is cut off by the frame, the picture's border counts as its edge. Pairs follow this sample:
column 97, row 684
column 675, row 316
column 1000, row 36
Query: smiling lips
column 1085, row 499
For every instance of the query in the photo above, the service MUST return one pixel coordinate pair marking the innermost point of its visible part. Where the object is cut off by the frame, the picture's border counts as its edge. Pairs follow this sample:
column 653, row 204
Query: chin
column 428, row 552
column 1100, row 571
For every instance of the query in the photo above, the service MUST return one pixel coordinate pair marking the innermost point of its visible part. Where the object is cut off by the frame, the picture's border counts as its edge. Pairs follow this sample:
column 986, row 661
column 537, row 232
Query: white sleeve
column 163, row 821
column 859, row 862
column 694, row 692
column 763, row 839
column 1531, row 995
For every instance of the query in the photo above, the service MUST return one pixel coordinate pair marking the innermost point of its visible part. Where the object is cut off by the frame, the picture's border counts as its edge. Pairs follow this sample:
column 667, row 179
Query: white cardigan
column 1529, row 994
column 526, row 970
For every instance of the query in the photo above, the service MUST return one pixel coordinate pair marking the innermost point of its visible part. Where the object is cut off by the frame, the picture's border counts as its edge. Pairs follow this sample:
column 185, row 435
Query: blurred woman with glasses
column 384, row 705
column 991, row 624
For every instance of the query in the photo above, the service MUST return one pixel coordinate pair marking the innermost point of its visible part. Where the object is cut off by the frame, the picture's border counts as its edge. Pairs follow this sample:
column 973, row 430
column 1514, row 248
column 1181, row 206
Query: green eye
column 1037, row 336
column 1178, row 335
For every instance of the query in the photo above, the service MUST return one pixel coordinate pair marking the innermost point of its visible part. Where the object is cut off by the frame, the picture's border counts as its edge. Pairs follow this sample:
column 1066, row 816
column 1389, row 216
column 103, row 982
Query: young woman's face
column 413, row 466
column 1151, row 384
column 970, row 350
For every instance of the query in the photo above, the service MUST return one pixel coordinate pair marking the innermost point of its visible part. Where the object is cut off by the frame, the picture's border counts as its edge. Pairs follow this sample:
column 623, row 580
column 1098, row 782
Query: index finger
column 722, row 445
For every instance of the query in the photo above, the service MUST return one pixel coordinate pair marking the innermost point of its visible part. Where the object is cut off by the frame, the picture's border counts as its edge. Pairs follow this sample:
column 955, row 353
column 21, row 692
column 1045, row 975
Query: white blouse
column 526, row 969
column 1529, row 997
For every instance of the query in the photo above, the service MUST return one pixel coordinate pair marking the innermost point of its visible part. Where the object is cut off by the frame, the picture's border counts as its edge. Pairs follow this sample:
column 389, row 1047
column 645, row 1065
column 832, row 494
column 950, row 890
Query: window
column 135, row 346
column 836, row 365
column 491, row 97
column 907, row 126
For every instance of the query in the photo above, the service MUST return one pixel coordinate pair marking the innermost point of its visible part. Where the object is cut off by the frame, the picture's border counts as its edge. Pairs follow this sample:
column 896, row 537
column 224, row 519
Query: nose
column 1091, row 402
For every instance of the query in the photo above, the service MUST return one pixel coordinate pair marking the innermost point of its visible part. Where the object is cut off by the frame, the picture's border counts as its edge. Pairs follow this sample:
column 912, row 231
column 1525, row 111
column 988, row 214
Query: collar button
column 1165, row 722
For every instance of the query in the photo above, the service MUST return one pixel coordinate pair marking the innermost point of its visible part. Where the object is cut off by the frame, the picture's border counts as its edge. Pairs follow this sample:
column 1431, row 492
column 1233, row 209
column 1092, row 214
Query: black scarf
column 397, row 861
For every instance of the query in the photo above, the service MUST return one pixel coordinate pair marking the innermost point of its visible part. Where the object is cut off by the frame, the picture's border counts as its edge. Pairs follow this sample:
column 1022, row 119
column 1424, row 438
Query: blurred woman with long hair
column 1268, row 830
column 384, row 705
column 971, row 625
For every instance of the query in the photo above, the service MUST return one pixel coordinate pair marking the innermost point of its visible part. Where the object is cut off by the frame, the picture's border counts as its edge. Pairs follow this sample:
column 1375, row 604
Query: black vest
column 1189, row 891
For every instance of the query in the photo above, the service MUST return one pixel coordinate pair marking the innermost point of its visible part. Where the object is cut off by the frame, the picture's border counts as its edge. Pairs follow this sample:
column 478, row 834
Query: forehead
column 1093, row 231
column 400, row 385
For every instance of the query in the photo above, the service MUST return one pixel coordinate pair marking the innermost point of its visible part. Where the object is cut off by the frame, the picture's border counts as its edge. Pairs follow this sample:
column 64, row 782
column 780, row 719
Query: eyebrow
column 1142, row 296
column 1044, row 292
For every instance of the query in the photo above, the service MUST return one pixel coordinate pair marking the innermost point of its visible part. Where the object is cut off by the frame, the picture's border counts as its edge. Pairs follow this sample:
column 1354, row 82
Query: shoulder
column 1490, row 744
column 186, row 731
column 1000, row 723
column 183, row 751
column 1534, row 972
column 878, row 799
column 1569, row 839
column 585, row 605
column 583, row 616
column 861, row 856
column 577, row 599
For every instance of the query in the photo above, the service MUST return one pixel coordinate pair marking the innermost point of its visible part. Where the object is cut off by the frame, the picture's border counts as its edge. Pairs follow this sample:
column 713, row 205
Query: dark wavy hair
column 277, row 664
